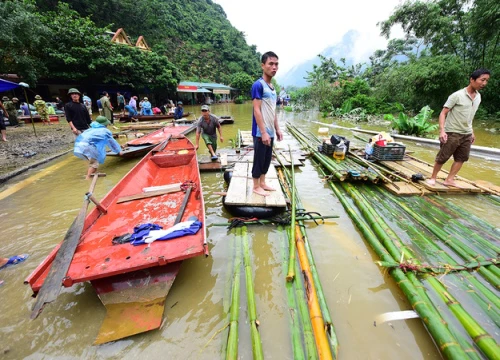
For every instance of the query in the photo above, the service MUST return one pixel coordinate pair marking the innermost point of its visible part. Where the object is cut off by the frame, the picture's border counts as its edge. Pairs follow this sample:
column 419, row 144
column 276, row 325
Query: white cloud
column 298, row 30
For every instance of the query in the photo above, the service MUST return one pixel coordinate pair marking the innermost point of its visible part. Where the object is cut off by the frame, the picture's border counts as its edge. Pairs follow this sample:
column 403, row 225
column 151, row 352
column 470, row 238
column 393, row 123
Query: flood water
column 35, row 218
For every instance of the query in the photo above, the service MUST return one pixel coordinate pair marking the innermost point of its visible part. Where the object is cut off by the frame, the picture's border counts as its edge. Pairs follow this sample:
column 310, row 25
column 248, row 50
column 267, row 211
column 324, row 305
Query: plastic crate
column 327, row 148
column 391, row 151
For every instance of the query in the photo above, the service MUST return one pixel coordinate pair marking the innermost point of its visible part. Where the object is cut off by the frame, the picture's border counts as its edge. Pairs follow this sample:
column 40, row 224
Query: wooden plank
column 439, row 187
column 404, row 189
column 275, row 198
column 168, row 187
column 241, row 169
column 237, row 191
column 146, row 195
column 223, row 159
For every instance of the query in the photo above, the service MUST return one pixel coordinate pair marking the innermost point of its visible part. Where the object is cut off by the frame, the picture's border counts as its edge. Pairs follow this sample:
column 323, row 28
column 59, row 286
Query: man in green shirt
column 206, row 127
column 455, row 126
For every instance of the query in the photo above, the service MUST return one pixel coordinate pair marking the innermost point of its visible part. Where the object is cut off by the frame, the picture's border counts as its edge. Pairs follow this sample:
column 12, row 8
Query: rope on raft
column 408, row 266
column 283, row 219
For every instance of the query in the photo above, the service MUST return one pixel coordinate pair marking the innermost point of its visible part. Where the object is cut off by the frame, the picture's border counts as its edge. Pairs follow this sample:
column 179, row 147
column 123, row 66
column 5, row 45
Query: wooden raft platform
column 241, row 193
column 227, row 159
column 410, row 166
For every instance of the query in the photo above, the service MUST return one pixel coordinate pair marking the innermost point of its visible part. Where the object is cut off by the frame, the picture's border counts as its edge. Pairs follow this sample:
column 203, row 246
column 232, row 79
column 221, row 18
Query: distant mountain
column 344, row 49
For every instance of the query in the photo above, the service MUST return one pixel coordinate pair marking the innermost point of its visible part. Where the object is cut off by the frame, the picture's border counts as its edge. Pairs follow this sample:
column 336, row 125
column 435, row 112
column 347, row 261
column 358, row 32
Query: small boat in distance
column 142, row 145
column 149, row 117
column 226, row 119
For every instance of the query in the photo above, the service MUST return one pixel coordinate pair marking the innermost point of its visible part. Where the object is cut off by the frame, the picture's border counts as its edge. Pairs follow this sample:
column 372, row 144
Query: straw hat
column 38, row 97
column 5, row 98
column 145, row 99
column 15, row 99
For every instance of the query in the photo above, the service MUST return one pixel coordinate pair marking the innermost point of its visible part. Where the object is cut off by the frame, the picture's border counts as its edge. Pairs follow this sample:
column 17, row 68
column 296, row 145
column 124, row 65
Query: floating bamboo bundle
column 324, row 332
column 232, row 341
column 252, row 309
column 346, row 170
column 395, row 249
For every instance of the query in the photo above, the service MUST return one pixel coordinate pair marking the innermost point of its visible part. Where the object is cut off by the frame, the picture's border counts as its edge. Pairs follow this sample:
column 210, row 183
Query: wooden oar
column 53, row 282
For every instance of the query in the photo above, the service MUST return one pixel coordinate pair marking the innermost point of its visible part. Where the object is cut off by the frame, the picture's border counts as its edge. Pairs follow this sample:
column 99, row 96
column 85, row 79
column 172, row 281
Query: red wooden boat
column 141, row 146
column 150, row 117
column 133, row 281
column 37, row 119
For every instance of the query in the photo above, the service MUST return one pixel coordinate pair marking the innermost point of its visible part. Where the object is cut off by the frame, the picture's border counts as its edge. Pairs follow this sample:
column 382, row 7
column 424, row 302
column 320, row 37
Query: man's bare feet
column 267, row 187
column 451, row 183
column 431, row 182
column 260, row 191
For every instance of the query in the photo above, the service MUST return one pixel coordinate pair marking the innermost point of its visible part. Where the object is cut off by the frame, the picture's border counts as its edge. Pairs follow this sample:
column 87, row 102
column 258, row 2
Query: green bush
column 418, row 125
column 239, row 100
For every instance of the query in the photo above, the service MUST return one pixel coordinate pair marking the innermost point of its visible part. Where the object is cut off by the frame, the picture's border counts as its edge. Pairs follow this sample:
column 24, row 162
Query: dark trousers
column 262, row 155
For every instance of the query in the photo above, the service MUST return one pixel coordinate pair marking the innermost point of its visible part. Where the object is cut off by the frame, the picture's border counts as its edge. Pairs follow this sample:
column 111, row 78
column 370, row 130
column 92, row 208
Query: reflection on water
column 35, row 218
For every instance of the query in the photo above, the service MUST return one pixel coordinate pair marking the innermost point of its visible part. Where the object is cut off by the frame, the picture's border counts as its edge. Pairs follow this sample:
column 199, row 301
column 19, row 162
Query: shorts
column 262, row 155
column 457, row 145
column 209, row 140
column 93, row 163
column 121, row 106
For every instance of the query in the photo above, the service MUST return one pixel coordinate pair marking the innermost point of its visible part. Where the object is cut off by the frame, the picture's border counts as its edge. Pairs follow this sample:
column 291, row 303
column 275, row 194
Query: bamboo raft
column 443, row 257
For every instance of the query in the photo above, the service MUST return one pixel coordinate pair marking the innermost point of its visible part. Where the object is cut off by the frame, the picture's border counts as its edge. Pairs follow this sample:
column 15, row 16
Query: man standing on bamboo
column 264, row 123
column 455, row 127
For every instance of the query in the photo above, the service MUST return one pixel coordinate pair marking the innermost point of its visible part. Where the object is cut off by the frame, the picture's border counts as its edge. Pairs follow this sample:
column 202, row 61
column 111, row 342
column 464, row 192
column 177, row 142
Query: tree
column 242, row 81
column 464, row 33
column 22, row 40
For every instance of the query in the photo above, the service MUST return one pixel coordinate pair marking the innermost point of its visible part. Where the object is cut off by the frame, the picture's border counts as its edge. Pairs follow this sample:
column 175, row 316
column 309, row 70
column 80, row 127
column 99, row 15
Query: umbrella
column 9, row 85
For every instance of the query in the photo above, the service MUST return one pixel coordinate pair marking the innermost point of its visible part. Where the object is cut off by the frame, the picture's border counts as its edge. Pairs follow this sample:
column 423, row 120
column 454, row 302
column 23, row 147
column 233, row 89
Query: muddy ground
column 23, row 148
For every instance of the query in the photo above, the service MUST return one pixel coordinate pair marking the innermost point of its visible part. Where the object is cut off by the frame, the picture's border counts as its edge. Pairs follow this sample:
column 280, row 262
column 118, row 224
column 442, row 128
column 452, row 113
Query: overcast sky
column 297, row 30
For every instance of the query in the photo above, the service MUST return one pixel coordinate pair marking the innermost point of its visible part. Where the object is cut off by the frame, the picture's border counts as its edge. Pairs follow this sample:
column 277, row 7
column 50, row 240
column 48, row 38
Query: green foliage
column 288, row 108
column 450, row 39
column 195, row 35
column 21, row 38
column 66, row 40
column 418, row 125
column 242, row 81
column 239, row 100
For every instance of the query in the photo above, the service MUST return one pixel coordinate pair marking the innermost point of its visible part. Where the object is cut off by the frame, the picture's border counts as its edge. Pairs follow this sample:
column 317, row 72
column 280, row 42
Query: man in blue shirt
column 264, row 123
column 91, row 144
column 179, row 111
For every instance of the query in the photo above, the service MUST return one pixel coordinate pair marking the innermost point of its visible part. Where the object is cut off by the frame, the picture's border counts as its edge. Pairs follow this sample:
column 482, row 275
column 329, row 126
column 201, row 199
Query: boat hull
column 97, row 258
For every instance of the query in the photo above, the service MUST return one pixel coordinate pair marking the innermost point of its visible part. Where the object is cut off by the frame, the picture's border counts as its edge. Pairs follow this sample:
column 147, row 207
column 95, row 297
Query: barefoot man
column 455, row 126
column 264, row 123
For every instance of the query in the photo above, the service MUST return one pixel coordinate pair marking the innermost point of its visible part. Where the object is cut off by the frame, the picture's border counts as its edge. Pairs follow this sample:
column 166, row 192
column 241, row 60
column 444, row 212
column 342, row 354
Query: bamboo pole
column 484, row 340
column 312, row 352
column 294, row 313
column 489, row 272
column 252, row 309
column 450, row 266
column 232, row 341
column 291, row 262
column 418, row 237
column 438, row 329
column 313, row 281
column 329, row 327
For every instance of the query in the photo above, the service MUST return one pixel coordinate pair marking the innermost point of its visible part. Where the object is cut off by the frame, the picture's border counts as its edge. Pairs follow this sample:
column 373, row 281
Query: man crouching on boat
column 91, row 144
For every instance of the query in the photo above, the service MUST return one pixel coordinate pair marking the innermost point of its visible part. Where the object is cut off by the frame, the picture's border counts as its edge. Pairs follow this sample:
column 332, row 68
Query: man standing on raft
column 455, row 126
column 264, row 123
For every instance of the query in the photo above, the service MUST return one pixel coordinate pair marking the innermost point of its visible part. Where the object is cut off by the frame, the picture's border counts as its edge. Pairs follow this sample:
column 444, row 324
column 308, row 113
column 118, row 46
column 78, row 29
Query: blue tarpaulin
column 7, row 85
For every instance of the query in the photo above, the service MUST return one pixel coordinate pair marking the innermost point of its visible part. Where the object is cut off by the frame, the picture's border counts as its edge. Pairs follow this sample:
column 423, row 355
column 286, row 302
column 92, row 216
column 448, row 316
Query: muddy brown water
column 36, row 216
